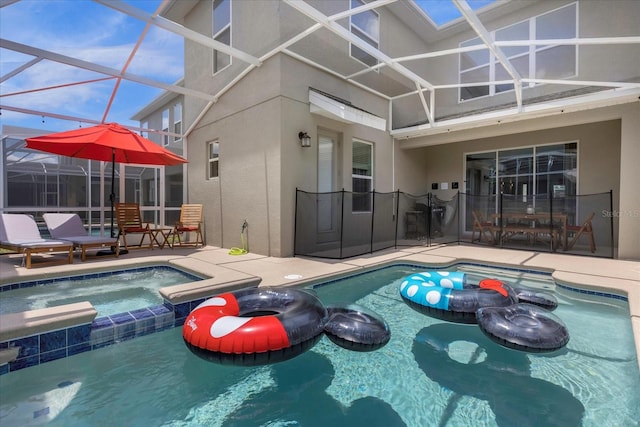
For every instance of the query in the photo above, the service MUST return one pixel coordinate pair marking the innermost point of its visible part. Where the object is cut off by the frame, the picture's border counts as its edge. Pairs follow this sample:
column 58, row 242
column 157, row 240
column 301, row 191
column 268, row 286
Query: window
column 362, row 176
column 165, row 127
column 177, row 122
column 515, row 169
column 213, row 159
column 366, row 26
column 543, row 62
column 537, row 170
column 221, row 32
column 518, row 56
column 524, row 172
column 556, row 167
column 474, row 68
column 542, row 177
column 556, row 62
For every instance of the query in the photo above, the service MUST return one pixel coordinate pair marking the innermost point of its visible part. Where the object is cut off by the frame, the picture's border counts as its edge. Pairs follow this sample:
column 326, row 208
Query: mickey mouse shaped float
column 259, row 326
column 517, row 319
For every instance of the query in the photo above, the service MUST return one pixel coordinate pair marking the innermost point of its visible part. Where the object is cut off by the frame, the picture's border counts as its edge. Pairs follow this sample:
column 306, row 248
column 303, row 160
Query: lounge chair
column 64, row 226
column 130, row 222
column 20, row 233
column 190, row 222
column 586, row 229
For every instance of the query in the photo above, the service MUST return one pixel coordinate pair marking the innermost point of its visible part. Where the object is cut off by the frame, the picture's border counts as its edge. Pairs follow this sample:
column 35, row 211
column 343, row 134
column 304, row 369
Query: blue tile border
column 594, row 293
column 102, row 332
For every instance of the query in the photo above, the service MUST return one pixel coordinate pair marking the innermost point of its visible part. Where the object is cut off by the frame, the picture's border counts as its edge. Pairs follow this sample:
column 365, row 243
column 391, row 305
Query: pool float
column 355, row 328
column 524, row 327
column 541, row 299
column 255, row 326
column 446, row 295
column 518, row 319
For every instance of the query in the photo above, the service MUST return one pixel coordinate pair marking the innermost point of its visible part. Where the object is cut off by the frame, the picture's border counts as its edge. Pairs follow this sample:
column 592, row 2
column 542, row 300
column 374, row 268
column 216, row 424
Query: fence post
column 459, row 217
column 342, row 220
column 395, row 243
column 550, row 219
column 501, row 220
column 295, row 227
column 373, row 214
column 429, row 201
column 611, row 220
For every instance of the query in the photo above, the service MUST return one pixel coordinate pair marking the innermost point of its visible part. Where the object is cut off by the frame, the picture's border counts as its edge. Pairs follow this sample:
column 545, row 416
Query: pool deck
column 224, row 270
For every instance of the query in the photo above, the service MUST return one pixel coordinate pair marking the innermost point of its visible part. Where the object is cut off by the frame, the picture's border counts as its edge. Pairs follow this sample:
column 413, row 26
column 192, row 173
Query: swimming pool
column 431, row 373
column 110, row 292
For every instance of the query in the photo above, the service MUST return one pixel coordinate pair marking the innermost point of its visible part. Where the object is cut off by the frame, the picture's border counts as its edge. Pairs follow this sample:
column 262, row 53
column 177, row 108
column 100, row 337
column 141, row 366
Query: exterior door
column 328, row 200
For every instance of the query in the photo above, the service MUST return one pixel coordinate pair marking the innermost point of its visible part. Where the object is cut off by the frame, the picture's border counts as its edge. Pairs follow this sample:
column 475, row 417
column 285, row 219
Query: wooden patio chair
column 586, row 229
column 190, row 222
column 129, row 221
column 483, row 227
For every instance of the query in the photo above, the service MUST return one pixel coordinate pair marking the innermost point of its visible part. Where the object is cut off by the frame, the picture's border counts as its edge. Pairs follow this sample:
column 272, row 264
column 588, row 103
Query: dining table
column 532, row 223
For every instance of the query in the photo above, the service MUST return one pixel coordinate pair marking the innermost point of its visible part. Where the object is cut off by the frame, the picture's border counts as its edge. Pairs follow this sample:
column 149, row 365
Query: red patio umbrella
column 109, row 142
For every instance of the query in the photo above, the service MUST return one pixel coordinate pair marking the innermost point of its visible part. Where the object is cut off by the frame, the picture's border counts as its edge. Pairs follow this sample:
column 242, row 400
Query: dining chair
column 585, row 229
column 190, row 222
column 130, row 221
column 483, row 227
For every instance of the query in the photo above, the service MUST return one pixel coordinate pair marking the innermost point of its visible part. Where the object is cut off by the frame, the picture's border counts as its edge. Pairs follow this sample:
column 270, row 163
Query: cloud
column 92, row 33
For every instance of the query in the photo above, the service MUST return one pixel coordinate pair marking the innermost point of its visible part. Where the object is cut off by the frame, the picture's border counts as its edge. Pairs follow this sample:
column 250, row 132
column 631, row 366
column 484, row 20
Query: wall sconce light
column 305, row 139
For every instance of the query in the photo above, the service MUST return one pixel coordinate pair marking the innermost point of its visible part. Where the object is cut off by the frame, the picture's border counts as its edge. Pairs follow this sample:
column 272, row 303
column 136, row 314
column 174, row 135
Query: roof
column 150, row 21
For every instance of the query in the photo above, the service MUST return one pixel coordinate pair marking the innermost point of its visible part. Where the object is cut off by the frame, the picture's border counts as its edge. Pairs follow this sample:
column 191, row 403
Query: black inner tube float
column 541, row 299
column 524, row 327
column 259, row 326
column 355, row 328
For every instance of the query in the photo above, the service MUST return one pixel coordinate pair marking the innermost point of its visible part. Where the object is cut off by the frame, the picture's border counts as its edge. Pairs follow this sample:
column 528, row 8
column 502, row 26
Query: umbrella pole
column 112, row 196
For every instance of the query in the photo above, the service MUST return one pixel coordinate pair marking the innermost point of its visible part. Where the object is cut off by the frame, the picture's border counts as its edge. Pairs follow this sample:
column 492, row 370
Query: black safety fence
column 577, row 224
column 344, row 224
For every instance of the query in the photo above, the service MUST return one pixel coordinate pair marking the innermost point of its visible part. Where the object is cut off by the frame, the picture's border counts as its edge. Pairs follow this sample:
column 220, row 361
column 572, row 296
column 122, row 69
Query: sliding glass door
column 526, row 178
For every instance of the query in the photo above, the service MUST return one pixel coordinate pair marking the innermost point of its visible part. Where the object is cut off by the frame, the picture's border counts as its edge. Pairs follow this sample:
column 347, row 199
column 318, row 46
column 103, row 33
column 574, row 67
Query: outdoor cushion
column 20, row 233
column 69, row 227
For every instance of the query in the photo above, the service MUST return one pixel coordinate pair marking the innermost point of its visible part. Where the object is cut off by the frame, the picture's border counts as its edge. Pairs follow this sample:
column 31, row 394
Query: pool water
column 109, row 292
column 432, row 373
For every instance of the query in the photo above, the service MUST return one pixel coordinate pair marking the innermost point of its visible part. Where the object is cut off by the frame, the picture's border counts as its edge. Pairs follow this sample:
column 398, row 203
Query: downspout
column 393, row 165
column 341, row 222
column 393, row 148
column 266, row 188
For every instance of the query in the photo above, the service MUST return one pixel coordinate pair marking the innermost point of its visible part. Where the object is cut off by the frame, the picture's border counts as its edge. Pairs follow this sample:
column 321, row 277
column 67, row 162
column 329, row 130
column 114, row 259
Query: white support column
column 629, row 213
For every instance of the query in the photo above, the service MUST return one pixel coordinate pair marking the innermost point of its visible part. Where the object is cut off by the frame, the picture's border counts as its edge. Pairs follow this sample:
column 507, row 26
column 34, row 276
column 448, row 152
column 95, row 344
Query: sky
column 443, row 12
column 91, row 32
